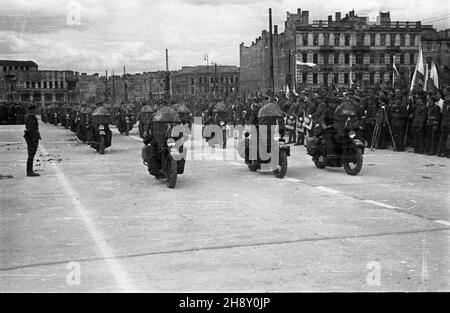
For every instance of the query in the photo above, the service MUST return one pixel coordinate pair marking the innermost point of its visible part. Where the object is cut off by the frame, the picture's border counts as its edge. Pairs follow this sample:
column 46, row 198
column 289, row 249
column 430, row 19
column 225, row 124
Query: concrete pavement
column 223, row 228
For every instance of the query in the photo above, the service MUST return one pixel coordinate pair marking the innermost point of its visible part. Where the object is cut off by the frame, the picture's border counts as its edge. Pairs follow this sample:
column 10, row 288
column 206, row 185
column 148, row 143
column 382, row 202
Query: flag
column 434, row 75
column 427, row 75
column 394, row 66
column 310, row 64
column 419, row 69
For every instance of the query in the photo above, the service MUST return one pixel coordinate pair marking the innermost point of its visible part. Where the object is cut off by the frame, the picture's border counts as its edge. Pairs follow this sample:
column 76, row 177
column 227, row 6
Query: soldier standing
column 420, row 117
column 32, row 137
column 399, row 115
column 432, row 127
column 445, row 125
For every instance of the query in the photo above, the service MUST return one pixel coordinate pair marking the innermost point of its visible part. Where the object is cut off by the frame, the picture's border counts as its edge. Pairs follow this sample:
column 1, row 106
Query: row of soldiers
column 388, row 116
column 12, row 113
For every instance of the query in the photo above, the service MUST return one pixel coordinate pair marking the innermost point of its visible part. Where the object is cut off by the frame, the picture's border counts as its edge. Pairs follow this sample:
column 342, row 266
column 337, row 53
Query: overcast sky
column 95, row 35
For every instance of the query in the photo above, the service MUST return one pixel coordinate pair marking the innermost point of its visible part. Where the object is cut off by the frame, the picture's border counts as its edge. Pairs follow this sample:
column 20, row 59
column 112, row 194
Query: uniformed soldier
column 32, row 137
column 432, row 127
column 3, row 113
column 418, row 125
column 399, row 115
column 445, row 124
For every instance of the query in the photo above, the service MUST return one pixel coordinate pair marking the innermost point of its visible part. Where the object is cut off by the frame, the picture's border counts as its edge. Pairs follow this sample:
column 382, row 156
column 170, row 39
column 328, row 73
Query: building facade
column 436, row 48
column 344, row 51
column 220, row 80
column 22, row 81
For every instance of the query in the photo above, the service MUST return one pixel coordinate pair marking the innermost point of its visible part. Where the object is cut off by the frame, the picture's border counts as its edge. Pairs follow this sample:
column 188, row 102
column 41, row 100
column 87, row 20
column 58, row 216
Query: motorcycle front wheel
column 172, row 174
column 353, row 168
column 319, row 164
column 281, row 171
column 102, row 145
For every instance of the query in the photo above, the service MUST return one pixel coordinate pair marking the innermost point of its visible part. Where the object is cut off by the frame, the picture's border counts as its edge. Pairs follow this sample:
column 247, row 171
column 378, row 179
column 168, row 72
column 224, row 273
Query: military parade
column 296, row 173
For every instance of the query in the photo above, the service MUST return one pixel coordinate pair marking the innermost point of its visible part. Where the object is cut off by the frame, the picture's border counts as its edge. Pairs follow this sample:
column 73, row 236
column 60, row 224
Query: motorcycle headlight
column 222, row 123
column 352, row 134
column 170, row 142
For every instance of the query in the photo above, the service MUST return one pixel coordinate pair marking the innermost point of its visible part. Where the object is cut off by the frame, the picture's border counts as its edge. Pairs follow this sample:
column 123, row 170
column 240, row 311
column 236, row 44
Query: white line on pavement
column 330, row 190
column 381, row 204
column 116, row 269
column 235, row 163
column 442, row 222
column 294, row 180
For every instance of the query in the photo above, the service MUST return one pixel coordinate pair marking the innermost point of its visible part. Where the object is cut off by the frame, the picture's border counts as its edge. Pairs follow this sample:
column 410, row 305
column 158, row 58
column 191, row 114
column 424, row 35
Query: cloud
column 114, row 33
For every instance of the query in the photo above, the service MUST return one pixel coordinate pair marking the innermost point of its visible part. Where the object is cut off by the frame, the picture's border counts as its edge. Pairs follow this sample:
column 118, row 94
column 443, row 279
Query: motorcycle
column 126, row 119
column 220, row 118
column 347, row 149
column 271, row 113
column 99, row 136
column 162, row 154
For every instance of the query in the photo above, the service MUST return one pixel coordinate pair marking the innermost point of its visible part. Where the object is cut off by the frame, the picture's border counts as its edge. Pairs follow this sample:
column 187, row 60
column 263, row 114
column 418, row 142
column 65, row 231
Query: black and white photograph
column 241, row 148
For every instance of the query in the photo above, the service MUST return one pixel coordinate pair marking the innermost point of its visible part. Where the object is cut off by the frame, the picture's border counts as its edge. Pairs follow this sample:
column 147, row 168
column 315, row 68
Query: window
column 325, row 79
column 346, row 58
column 315, row 78
column 304, row 57
column 372, row 77
column 411, row 58
column 359, row 58
column 360, row 39
column 315, row 40
column 304, row 39
column 231, row 79
column 336, row 58
column 347, row 40
column 372, row 58
column 381, row 59
column 372, row 39
column 325, row 58
column 392, row 40
column 337, row 36
column 402, row 40
column 382, row 39
column 402, row 58
column 304, row 78
column 200, row 80
column 192, row 80
column 412, row 40
column 326, row 39
column 315, row 58
column 346, row 78
column 336, row 78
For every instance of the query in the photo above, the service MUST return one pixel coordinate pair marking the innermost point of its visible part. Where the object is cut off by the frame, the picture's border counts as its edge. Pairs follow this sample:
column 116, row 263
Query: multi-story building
column 436, row 47
column 349, row 49
column 22, row 81
column 217, row 80
column 117, row 88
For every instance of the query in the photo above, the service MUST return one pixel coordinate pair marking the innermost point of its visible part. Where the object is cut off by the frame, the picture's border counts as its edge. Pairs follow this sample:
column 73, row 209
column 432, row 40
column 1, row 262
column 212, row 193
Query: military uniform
column 32, row 137
column 432, row 129
column 445, row 124
column 419, row 120
column 3, row 114
column 399, row 115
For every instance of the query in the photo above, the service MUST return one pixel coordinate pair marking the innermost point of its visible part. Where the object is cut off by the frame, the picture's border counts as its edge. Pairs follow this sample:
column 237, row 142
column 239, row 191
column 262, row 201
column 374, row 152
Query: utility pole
column 106, row 86
column 167, row 80
column 272, row 80
column 207, row 73
column 113, row 87
column 125, row 86
column 215, row 79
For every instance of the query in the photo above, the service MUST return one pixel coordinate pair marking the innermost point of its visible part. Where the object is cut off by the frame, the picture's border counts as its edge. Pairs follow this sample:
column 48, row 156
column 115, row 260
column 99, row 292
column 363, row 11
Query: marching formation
column 335, row 126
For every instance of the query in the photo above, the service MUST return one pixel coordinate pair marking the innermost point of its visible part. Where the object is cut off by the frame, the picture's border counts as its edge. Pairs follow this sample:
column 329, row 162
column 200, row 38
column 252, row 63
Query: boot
column 30, row 171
